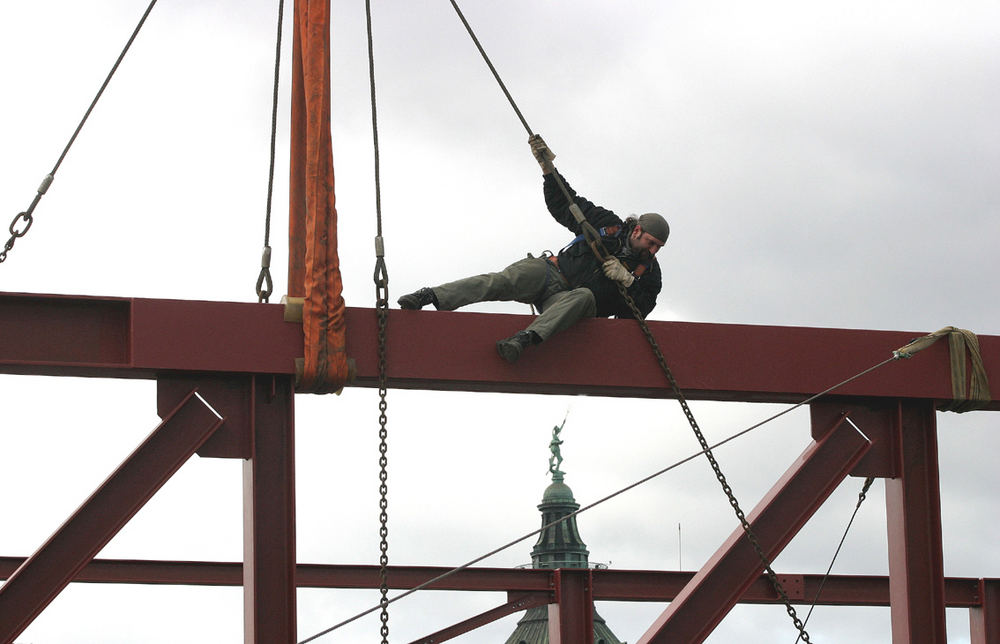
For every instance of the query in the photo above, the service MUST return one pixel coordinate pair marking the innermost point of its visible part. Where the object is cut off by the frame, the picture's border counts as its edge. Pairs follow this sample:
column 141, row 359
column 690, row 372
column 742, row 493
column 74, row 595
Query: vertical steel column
column 43, row 575
column 985, row 620
column 571, row 617
column 269, row 516
column 913, row 517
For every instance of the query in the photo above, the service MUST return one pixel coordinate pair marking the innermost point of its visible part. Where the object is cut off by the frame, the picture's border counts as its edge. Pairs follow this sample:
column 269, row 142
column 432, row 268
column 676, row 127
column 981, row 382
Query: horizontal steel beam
column 732, row 362
column 454, row 351
column 609, row 585
column 141, row 338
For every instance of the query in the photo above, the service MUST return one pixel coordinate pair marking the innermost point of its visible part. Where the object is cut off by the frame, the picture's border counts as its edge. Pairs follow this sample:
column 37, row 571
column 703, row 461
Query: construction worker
column 572, row 284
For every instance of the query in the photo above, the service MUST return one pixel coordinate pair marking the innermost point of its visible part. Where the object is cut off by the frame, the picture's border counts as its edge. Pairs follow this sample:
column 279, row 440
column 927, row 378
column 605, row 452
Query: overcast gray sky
column 829, row 165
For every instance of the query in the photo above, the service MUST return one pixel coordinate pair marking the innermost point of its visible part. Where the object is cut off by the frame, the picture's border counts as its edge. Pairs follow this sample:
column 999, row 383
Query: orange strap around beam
column 313, row 262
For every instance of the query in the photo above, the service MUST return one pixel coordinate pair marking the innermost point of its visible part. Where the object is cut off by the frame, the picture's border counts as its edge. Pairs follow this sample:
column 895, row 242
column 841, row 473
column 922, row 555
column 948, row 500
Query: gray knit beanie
column 655, row 225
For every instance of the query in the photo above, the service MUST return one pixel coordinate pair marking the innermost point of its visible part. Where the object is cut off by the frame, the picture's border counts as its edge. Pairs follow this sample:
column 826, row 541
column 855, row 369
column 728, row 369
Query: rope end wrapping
column 964, row 397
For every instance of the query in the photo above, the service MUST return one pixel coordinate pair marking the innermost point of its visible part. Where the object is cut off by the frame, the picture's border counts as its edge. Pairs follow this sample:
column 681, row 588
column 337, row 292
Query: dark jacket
column 581, row 268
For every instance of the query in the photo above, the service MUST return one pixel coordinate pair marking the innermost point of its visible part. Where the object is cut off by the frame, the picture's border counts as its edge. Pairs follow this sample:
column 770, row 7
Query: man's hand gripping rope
column 544, row 156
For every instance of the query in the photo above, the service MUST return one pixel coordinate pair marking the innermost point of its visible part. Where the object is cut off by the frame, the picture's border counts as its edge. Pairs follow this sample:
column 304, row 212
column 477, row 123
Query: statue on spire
column 555, row 460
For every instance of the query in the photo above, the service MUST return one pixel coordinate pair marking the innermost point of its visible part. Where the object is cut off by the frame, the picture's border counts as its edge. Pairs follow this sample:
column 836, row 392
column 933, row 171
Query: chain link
column 382, row 310
column 16, row 233
column 751, row 537
column 47, row 181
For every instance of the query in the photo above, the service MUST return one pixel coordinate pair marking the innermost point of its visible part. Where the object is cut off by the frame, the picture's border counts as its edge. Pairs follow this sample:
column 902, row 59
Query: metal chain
column 26, row 216
column 265, row 286
column 382, row 309
column 751, row 537
column 620, row 491
column 598, row 250
column 15, row 232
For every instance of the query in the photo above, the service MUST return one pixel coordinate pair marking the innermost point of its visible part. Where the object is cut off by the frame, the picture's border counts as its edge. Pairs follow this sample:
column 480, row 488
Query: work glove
column 542, row 153
column 616, row 272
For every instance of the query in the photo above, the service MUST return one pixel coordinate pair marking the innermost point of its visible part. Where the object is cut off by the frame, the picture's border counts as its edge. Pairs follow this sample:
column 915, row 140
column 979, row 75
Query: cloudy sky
column 827, row 165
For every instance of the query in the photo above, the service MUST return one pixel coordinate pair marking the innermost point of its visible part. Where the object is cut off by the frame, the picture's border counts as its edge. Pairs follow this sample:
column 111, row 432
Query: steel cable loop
column 47, row 181
column 265, row 286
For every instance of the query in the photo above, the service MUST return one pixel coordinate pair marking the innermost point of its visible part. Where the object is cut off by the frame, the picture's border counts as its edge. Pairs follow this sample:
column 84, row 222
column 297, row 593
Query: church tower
column 559, row 545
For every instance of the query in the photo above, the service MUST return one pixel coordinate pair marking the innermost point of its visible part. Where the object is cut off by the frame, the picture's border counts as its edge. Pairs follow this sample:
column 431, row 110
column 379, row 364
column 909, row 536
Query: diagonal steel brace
column 718, row 586
column 518, row 602
column 44, row 575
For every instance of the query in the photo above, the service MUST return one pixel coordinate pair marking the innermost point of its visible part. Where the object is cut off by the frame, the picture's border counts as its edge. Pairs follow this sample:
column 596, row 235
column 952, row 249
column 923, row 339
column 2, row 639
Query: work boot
column 417, row 300
column 510, row 348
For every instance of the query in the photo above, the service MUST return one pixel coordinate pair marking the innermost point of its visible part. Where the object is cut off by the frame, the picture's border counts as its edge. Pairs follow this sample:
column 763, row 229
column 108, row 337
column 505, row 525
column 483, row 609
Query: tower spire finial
column 555, row 460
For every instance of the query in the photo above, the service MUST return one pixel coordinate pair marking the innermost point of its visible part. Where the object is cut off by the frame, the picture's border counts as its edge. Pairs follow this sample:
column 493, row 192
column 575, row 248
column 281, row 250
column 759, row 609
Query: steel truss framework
column 223, row 394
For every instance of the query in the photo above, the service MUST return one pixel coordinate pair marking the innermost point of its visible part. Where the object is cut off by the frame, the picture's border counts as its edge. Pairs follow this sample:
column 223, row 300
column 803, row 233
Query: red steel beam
column 269, row 516
column 609, row 585
column 731, row 362
column 718, row 586
column 985, row 619
column 141, row 338
column 571, row 617
column 43, row 575
column 913, row 519
column 516, row 604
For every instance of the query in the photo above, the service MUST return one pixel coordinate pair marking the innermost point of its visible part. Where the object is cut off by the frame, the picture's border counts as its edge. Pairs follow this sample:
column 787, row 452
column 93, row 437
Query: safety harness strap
column 610, row 231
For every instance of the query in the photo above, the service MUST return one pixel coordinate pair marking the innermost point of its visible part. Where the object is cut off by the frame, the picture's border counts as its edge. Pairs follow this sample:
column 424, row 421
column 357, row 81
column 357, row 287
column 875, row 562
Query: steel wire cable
column 381, row 277
column 819, row 591
column 600, row 501
column 265, row 286
column 716, row 468
column 27, row 215
column 597, row 248
column 493, row 69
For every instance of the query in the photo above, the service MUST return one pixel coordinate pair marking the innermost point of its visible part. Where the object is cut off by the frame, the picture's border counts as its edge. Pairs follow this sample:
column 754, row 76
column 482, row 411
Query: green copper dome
column 558, row 492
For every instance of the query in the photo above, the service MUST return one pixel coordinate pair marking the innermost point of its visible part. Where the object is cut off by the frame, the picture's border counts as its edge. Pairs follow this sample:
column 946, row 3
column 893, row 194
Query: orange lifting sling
column 313, row 263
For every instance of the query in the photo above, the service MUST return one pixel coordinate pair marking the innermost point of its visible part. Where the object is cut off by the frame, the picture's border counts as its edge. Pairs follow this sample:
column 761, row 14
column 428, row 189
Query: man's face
column 643, row 243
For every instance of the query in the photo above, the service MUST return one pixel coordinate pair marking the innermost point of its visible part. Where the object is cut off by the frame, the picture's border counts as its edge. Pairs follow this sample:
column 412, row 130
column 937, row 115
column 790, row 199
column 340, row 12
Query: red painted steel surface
column 43, row 575
column 877, row 419
column 984, row 620
column 571, row 618
column 514, row 605
column 174, row 339
column 609, row 585
column 42, row 334
column 269, row 516
column 718, row 586
column 710, row 361
column 913, row 519
column 142, row 338
column 231, row 396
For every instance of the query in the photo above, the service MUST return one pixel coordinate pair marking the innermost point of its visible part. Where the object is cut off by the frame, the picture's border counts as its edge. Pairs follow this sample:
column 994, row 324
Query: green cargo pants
column 534, row 280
